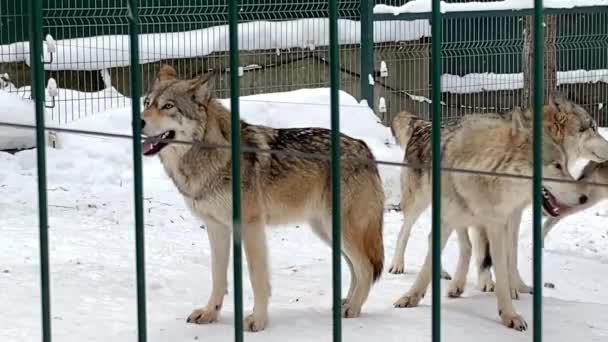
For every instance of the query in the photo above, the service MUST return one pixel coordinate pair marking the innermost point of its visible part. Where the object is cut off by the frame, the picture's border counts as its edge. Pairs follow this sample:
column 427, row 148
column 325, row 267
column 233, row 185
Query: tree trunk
column 550, row 60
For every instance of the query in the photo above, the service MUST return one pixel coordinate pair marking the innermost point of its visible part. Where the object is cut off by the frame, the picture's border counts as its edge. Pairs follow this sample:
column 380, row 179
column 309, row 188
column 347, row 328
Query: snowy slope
column 18, row 111
column 93, row 262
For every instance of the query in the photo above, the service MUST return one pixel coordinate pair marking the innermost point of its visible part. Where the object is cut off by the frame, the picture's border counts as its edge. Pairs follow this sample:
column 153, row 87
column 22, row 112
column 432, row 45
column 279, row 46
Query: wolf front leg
column 257, row 260
column 516, row 282
column 457, row 285
column 499, row 243
column 219, row 242
column 418, row 290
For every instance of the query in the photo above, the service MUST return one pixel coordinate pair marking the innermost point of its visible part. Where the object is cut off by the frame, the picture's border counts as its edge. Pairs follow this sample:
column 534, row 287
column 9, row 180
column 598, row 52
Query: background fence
column 284, row 47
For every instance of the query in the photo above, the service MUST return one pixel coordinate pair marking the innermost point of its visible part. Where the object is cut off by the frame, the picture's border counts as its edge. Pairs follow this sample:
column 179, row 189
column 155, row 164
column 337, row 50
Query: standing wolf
column 566, row 124
column 276, row 188
column 484, row 202
column 571, row 127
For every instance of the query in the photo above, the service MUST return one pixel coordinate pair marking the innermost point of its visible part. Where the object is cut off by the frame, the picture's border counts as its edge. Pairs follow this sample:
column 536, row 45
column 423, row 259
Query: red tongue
column 148, row 145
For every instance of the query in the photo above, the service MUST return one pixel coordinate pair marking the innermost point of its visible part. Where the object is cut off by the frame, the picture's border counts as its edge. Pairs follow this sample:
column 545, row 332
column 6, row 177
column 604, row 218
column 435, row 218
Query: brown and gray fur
column 276, row 189
column 483, row 202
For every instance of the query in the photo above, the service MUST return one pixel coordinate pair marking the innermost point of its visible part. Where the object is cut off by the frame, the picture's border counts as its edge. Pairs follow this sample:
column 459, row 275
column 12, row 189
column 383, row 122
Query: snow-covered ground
column 93, row 257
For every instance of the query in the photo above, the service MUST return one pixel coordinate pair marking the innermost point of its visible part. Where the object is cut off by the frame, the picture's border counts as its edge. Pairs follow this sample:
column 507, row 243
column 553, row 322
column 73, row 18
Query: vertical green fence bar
column 436, row 32
column 38, row 94
column 367, row 51
column 233, row 21
column 334, row 72
column 537, row 105
column 135, row 75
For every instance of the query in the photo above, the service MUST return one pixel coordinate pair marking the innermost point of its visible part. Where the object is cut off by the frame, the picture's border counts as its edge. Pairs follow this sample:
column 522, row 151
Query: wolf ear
column 166, row 73
column 202, row 87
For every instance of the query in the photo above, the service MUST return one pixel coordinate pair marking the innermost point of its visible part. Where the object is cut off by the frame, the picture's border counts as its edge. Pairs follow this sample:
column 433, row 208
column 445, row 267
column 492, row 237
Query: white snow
column 51, row 45
column 102, row 52
column 92, row 251
column 16, row 110
column 424, row 6
column 51, row 88
column 478, row 82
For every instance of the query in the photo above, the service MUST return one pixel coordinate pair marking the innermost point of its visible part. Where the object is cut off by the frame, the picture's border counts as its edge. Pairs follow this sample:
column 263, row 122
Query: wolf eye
column 168, row 106
column 558, row 166
column 146, row 103
column 582, row 129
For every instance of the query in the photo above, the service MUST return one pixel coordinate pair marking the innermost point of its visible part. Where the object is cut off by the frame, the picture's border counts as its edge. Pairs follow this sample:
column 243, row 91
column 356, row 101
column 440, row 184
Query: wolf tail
column 401, row 127
column 374, row 245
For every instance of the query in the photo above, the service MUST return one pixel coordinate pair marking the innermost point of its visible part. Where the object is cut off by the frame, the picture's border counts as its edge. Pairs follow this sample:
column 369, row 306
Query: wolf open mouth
column 551, row 205
column 153, row 145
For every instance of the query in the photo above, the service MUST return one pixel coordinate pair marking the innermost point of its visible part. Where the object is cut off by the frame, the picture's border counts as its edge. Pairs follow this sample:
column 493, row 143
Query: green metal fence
column 483, row 61
column 482, row 58
column 133, row 16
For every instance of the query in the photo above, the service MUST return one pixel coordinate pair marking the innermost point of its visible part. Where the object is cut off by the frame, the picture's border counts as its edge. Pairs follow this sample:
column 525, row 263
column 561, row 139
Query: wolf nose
column 583, row 199
column 143, row 123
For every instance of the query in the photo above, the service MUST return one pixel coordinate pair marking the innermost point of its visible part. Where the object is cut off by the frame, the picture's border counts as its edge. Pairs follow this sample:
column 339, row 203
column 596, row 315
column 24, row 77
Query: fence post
column 334, row 65
column 367, row 51
column 436, row 35
column 538, row 101
column 233, row 22
column 135, row 80
column 38, row 94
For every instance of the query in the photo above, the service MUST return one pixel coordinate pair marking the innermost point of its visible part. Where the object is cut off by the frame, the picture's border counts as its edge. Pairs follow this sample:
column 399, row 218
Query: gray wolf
column 570, row 126
column 482, row 202
column 276, row 189
column 566, row 123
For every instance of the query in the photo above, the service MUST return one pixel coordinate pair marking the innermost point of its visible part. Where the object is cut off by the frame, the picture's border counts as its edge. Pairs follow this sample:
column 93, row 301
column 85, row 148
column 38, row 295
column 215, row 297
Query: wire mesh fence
column 284, row 47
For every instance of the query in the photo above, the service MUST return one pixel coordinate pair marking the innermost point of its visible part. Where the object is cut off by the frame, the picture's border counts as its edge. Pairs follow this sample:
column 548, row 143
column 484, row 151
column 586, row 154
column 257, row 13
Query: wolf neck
column 193, row 168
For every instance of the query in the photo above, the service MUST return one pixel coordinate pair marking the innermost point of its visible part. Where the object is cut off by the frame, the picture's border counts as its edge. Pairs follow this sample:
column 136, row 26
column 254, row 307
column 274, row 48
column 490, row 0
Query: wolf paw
column 409, row 300
column 397, row 267
column 485, row 282
column 523, row 288
column 455, row 290
column 350, row 311
column 255, row 322
column 514, row 321
column 203, row 316
column 445, row 275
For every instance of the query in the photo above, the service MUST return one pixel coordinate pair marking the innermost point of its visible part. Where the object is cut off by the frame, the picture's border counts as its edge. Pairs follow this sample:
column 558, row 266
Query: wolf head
column 571, row 126
column 559, row 196
column 175, row 110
